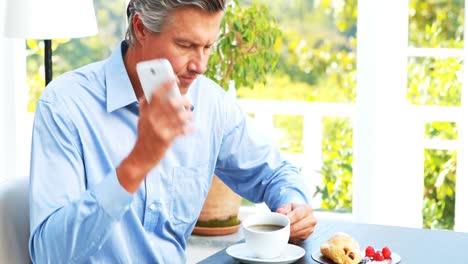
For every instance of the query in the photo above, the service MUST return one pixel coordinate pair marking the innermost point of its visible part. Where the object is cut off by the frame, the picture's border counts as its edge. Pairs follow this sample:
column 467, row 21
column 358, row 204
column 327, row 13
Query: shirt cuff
column 112, row 197
column 291, row 199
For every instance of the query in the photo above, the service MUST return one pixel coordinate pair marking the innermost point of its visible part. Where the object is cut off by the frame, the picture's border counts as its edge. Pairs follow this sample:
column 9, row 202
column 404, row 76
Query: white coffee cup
column 266, row 234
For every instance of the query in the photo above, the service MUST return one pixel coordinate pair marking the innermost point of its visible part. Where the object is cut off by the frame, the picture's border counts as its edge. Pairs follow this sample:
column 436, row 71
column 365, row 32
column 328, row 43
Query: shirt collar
column 119, row 89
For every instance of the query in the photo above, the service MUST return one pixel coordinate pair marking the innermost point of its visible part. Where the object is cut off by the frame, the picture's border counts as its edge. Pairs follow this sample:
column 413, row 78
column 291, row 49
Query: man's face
column 185, row 40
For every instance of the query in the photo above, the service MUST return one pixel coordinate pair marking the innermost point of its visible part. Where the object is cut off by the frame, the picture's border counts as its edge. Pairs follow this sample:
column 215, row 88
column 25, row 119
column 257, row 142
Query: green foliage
column 440, row 178
column 317, row 63
column 291, row 127
column 436, row 23
column 275, row 90
column 330, row 68
column 35, row 68
column 431, row 81
column 245, row 51
column 439, row 189
column 337, row 169
column 434, row 81
column 442, row 130
column 344, row 14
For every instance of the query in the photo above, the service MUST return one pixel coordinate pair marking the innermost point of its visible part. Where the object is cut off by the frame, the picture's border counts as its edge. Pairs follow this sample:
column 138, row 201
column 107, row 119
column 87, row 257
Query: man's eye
column 185, row 46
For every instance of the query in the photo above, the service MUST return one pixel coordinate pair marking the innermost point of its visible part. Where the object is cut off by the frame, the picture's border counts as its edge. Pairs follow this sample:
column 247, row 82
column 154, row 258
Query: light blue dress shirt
column 86, row 124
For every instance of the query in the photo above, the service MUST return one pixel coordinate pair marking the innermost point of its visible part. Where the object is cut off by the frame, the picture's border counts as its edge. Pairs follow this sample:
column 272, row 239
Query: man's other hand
column 302, row 220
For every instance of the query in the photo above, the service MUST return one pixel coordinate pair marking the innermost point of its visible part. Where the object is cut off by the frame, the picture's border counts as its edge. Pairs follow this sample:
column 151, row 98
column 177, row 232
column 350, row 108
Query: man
column 115, row 179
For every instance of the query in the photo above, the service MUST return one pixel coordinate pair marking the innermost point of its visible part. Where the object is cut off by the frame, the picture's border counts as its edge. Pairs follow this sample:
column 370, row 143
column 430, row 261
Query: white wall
column 13, row 93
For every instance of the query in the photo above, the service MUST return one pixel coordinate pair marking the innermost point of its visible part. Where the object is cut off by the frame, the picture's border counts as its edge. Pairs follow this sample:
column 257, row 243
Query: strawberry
column 387, row 254
column 370, row 251
column 378, row 256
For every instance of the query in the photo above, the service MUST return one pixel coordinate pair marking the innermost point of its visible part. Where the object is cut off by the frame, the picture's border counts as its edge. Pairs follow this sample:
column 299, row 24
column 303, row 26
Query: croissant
column 341, row 248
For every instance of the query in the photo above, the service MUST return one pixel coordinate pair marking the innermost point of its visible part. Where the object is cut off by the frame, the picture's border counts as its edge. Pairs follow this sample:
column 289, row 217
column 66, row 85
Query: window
column 308, row 100
column 391, row 142
column 436, row 58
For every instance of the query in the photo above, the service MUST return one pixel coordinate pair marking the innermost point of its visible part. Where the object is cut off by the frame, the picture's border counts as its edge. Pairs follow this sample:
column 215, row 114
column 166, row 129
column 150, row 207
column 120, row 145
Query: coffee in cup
column 266, row 234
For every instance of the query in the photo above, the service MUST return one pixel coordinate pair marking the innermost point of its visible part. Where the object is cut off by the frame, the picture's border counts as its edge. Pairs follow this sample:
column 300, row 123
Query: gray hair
column 154, row 12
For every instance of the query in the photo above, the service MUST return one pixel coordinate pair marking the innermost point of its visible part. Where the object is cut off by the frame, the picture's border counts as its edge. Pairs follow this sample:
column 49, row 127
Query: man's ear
column 141, row 32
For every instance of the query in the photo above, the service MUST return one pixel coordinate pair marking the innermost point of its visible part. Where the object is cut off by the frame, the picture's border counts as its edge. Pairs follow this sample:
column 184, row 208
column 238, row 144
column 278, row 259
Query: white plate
column 320, row 258
column 243, row 254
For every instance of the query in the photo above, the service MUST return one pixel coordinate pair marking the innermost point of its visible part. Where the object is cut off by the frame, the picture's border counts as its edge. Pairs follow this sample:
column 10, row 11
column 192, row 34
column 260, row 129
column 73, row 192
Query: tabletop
column 414, row 245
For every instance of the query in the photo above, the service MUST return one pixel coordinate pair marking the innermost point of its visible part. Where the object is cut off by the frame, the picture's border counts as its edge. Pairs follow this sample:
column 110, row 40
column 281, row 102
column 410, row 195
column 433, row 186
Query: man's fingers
column 143, row 104
column 302, row 222
column 302, row 227
column 167, row 86
column 297, row 214
column 187, row 129
column 179, row 103
column 284, row 209
column 300, row 236
column 163, row 92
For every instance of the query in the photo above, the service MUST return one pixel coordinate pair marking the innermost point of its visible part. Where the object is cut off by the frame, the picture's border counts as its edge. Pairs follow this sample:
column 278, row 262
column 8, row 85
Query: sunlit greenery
column 291, row 137
column 442, row 130
column 435, row 81
column 439, row 189
column 437, row 24
column 245, row 52
column 337, row 170
column 316, row 62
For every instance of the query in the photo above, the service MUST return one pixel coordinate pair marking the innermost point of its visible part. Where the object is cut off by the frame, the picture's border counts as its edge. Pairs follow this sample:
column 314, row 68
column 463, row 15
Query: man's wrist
column 130, row 174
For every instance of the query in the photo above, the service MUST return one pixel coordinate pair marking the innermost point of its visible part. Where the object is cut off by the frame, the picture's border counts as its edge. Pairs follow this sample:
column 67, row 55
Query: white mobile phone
column 153, row 74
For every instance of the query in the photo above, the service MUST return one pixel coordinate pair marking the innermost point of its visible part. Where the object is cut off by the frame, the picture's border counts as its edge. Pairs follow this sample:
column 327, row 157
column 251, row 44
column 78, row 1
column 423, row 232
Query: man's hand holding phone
column 153, row 74
column 162, row 119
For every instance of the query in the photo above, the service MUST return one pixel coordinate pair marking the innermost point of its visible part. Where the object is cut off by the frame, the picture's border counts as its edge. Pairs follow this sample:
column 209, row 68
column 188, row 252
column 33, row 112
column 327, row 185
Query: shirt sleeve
column 253, row 167
column 69, row 222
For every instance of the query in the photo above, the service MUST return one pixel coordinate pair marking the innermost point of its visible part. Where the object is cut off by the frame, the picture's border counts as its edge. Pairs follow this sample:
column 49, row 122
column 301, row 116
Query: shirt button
column 152, row 207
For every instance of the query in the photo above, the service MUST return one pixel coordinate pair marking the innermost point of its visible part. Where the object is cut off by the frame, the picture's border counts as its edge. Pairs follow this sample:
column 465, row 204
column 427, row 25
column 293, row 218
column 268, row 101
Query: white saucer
column 317, row 256
column 243, row 254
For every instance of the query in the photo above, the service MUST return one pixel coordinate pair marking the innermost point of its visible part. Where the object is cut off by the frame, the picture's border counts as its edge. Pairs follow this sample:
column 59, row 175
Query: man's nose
column 199, row 62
